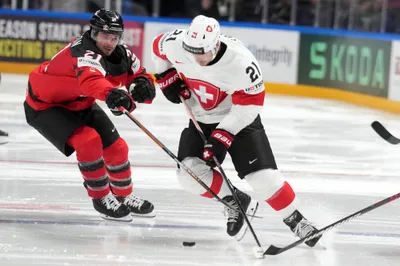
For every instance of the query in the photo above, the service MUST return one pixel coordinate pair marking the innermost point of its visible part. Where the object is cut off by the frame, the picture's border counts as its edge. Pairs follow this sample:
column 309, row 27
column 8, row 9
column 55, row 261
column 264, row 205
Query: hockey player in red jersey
column 60, row 105
column 223, row 85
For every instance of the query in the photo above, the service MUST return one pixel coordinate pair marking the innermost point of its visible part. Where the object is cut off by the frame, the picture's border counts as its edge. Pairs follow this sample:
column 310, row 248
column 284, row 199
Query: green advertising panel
column 352, row 64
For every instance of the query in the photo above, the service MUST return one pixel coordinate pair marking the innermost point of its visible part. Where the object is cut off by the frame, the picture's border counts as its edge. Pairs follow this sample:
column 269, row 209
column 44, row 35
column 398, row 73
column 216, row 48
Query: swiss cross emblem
column 206, row 155
column 209, row 96
column 209, row 28
column 203, row 95
column 186, row 94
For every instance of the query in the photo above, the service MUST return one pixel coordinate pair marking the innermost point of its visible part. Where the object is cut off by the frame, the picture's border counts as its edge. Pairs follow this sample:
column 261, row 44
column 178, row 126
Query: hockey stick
column 384, row 133
column 273, row 250
column 182, row 165
column 221, row 171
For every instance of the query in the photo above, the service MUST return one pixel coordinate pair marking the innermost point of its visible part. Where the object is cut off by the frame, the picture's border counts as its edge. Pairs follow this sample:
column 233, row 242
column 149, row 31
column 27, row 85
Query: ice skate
column 236, row 225
column 139, row 207
column 111, row 209
column 301, row 227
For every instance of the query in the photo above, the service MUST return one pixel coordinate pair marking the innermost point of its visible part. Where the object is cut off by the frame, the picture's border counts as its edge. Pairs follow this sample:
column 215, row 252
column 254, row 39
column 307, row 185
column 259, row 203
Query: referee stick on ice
column 257, row 251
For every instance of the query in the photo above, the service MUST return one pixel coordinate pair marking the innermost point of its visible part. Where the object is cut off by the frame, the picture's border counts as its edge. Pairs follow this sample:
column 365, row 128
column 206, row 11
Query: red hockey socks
column 89, row 150
column 118, row 167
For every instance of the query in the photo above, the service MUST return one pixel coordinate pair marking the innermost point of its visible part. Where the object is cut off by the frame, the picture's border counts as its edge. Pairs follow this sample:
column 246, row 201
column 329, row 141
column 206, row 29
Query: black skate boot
column 138, row 206
column 3, row 137
column 111, row 209
column 301, row 227
column 236, row 225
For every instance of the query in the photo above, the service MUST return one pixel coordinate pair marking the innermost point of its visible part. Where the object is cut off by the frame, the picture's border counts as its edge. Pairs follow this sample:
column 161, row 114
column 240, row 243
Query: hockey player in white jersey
column 223, row 85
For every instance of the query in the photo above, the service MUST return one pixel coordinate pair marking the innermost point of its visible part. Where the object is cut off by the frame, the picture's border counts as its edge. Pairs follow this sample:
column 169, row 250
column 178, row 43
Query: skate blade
column 125, row 219
column 147, row 215
column 320, row 245
column 251, row 210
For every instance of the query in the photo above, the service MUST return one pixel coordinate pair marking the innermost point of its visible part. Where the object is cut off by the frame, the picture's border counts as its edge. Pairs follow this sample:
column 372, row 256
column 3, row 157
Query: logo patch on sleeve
column 256, row 89
column 88, row 62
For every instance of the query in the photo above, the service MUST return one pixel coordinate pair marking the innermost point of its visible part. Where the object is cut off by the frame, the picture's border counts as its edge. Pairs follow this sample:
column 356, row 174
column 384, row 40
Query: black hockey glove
column 172, row 86
column 142, row 89
column 117, row 98
column 217, row 145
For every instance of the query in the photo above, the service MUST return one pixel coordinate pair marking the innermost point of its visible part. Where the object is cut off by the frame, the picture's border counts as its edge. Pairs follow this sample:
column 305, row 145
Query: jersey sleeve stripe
column 156, row 47
column 242, row 98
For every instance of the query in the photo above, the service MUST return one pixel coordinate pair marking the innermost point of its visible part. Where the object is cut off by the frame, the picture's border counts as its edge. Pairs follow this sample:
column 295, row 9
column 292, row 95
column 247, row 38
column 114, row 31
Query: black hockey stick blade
column 384, row 133
column 274, row 250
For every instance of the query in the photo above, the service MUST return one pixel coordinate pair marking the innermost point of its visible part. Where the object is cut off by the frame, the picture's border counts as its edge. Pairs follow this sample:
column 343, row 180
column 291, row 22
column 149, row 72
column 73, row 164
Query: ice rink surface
column 327, row 151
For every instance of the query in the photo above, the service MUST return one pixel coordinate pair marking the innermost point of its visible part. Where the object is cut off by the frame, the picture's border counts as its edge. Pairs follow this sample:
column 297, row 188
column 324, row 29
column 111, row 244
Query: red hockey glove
column 172, row 86
column 217, row 145
column 117, row 98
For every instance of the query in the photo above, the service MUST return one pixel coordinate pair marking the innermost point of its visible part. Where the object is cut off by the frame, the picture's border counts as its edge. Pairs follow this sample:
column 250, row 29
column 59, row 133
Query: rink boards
column 355, row 67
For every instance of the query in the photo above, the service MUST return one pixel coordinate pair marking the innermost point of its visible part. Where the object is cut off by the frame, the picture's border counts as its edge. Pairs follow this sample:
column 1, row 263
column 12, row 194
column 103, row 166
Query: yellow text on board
column 29, row 49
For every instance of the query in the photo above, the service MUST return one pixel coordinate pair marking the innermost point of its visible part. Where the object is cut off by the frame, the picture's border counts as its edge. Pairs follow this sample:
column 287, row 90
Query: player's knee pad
column 200, row 169
column 87, row 144
column 116, row 153
column 270, row 185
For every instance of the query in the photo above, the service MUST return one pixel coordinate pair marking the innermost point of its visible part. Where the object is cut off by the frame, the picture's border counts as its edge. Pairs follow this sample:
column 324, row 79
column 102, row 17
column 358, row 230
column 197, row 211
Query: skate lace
column 111, row 202
column 303, row 228
column 232, row 214
column 134, row 201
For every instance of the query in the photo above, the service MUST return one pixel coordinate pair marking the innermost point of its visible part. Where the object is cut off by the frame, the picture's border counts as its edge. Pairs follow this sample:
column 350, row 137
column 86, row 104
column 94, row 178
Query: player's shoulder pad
column 124, row 51
column 131, row 58
column 86, row 56
column 81, row 45
column 166, row 43
column 78, row 47
column 232, row 39
column 245, row 69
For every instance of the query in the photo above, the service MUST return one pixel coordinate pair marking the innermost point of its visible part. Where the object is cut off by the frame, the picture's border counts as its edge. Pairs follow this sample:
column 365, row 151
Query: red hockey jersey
column 78, row 75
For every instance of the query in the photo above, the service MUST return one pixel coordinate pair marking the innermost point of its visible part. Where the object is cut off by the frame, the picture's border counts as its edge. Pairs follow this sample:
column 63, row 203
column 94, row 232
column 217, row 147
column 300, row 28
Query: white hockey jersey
column 229, row 92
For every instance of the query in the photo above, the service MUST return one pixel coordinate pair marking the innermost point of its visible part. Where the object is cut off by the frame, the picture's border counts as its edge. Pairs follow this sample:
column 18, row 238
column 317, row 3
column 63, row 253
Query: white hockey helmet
column 202, row 35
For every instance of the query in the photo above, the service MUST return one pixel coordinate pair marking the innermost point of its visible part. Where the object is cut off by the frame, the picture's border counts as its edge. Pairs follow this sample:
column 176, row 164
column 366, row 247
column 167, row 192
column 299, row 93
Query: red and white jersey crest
column 208, row 95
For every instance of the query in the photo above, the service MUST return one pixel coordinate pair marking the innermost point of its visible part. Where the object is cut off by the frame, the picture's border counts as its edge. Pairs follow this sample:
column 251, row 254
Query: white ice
column 327, row 151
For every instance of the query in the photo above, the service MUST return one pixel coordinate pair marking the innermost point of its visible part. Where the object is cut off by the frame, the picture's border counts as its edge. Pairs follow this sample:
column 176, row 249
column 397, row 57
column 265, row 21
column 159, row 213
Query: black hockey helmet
column 107, row 21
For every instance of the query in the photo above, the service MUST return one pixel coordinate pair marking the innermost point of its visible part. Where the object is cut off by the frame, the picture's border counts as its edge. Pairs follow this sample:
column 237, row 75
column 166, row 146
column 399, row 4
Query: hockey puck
column 188, row 244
